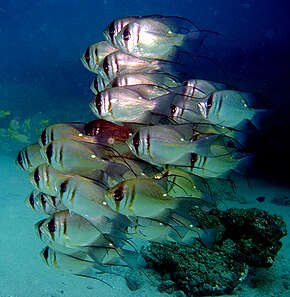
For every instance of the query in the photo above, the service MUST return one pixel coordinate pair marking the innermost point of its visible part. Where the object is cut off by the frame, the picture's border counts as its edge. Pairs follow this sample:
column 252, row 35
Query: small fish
column 99, row 84
column 180, row 183
column 200, row 88
column 119, row 63
column 157, row 37
column 220, row 166
column 164, row 144
column 87, row 159
column 86, row 198
column 121, row 105
column 261, row 199
column 148, row 198
column 225, row 108
column 46, row 179
column 70, row 229
column 4, row 113
column 95, row 53
column 44, row 203
column 30, row 157
column 112, row 30
column 74, row 131
column 163, row 80
column 73, row 264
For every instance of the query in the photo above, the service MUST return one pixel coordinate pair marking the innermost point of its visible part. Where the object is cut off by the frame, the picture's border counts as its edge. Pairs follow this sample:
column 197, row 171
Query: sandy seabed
column 23, row 273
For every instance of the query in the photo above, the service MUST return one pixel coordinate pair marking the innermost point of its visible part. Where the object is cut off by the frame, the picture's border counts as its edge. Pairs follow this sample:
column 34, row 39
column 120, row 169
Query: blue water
column 41, row 76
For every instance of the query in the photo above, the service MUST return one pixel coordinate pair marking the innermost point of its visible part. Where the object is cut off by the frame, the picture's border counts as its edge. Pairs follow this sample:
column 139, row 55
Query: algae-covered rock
column 256, row 232
column 197, row 271
column 246, row 237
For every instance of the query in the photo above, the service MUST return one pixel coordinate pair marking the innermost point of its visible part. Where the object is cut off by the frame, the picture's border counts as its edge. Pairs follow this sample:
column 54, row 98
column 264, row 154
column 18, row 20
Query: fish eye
column 136, row 141
column 106, row 65
column 31, row 200
column 87, row 55
column 36, row 176
column 43, row 137
column 118, row 195
column 63, row 187
column 98, row 102
column 209, row 102
column 111, row 29
column 51, row 226
column 96, row 85
column 49, row 152
column 194, row 158
column 173, row 109
column 126, row 34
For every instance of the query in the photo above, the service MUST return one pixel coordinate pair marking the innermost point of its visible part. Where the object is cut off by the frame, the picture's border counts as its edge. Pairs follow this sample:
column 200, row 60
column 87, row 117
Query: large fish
column 30, row 157
column 95, row 53
column 158, row 37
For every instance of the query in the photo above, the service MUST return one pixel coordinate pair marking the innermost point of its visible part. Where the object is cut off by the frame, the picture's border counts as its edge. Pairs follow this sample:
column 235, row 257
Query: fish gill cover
column 141, row 173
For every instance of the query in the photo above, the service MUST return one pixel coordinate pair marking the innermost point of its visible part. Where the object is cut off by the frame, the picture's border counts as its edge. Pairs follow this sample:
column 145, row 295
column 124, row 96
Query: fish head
column 112, row 30
column 87, row 59
column 101, row 104
column 135, row 143
column 53, row 229
column 115, row 198
column 40, row 202
column 128, row 38
column 38, row 177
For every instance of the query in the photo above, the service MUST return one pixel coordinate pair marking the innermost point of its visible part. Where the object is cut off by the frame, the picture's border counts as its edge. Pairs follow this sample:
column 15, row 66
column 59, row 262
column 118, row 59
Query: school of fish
column 133, row 174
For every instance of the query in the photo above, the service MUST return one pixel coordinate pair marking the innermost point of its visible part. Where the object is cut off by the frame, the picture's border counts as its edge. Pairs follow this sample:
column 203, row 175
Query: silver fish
column 87, row 159
column 30, row 157
column 46, row 179
column 121, row 105
column 219, row 167
column 163, row 80
column 164, row 144
column 147, row 198
column 158, row 37
column 95, row 53
column 70, row 229
column 112, row 30
column 75, row 131
column 200, row 88
column 120, row 63
column 44, row 203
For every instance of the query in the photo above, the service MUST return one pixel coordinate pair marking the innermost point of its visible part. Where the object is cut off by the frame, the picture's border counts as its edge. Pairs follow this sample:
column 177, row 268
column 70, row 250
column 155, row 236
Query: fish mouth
column 93, row 108
column 39, row 231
